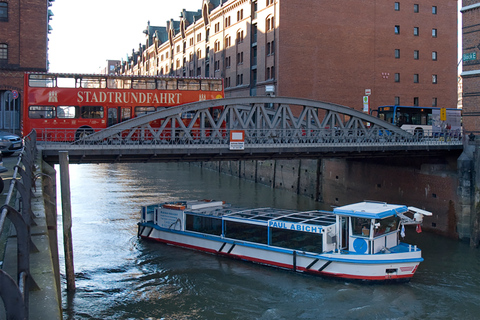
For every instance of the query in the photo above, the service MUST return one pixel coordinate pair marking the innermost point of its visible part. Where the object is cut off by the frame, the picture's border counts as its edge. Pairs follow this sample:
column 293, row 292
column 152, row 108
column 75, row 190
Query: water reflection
column 121, row 277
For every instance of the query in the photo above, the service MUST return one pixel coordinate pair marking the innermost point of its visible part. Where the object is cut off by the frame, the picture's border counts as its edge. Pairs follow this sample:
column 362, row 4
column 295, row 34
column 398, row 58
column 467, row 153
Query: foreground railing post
column 67, row 219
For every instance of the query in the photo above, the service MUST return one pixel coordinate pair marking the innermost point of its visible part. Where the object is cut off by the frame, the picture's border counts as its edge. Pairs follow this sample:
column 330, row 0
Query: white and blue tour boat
column 357, row 241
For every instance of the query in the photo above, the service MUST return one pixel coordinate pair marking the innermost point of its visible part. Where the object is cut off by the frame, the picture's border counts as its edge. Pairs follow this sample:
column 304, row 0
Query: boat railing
column 15, row 294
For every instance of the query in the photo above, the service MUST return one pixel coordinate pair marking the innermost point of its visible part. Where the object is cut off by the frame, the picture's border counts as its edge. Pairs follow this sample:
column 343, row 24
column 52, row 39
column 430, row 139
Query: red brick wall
column 334, row 50
column 25, row 32
column 471, row 83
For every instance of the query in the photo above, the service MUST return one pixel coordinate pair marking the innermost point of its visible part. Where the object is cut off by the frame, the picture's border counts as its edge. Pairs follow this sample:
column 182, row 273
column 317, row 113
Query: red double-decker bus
column 65, row 107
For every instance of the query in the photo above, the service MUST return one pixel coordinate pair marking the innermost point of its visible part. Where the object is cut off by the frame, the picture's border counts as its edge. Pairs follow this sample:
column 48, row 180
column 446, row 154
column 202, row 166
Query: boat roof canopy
column 370, row 210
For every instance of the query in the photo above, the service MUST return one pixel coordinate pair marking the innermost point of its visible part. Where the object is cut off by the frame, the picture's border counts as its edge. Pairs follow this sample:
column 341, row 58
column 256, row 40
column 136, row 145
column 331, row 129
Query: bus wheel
column 418, row 132
column 82, row 133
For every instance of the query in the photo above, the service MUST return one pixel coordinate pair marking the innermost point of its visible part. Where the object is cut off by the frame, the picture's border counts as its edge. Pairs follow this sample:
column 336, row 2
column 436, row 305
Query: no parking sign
column 14, row 94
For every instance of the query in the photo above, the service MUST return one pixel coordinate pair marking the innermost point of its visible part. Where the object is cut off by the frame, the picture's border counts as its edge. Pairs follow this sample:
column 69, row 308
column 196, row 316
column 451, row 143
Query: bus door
column 112, row 116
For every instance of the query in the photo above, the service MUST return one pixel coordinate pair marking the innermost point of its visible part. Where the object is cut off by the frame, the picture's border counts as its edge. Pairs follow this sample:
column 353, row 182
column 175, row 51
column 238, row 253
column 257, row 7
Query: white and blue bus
column 425, row 121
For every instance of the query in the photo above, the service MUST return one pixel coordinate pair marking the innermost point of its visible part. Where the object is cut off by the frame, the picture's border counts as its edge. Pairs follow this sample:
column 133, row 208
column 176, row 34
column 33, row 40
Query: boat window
column 246, row 231
column 386, row 225
column 305, row 241
column 361, row 227
column 209, row 225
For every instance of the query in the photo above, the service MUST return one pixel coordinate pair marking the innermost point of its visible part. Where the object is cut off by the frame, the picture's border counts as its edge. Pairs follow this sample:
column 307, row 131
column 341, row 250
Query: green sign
column 470, row 56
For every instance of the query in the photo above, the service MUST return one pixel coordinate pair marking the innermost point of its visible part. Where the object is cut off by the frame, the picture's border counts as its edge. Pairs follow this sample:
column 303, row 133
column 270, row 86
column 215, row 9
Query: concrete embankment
column 45, row 296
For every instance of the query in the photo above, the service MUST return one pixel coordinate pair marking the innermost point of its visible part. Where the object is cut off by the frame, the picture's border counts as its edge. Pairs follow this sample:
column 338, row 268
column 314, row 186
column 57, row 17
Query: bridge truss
column 280, row 124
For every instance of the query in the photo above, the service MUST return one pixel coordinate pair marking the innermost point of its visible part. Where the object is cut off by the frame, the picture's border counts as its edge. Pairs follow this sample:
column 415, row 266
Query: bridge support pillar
column 468, row 164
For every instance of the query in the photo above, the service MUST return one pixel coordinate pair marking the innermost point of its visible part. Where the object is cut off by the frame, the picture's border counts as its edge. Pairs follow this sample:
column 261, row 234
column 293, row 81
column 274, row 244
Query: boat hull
column 394, row 267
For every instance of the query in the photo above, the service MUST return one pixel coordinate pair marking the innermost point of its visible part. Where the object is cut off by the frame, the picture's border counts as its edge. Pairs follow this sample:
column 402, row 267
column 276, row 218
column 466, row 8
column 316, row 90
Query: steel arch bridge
column 272, row 127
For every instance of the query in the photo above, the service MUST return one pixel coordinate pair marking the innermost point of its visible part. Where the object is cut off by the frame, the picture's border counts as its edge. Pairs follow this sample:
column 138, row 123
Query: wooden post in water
column 67, row 219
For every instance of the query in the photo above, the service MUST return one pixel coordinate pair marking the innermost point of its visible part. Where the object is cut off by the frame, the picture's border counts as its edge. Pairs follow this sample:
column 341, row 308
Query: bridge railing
column 221, row 136
column 15, row 294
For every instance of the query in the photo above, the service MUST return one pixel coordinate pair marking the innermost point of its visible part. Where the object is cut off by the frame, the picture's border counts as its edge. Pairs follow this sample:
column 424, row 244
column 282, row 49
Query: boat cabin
column 361, row 228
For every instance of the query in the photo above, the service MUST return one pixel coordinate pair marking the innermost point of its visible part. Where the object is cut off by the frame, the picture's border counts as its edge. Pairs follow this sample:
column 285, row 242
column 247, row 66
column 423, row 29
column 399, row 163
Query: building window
column 397, row 101
column 270, row 47
column 434, row 9
column 3, row 52
column 416, row 54
column 227, row 82
column 434, row 33
column 267, row 74
column 397, row 6
column 199, row 54
column 415, row 101
column 434, row 55
column 178, row 48
column 240, row 15
column 397, row 53
column 239, row 79
column 239, row 57
column 217, row 46
column 397, row 29
column 228, row 61
column 397, row 77
column 227, row 22
column 434, row 78
column 434, row 102
column 415, row 78
column 415, row 31
column 217, row 27
column 269, row 23
column 240, row 36
column 217, row 65
column 199, row 37
column 191, row 41
column 269, row 2
column 415, row 8
column 3, row 11
column 228, row 42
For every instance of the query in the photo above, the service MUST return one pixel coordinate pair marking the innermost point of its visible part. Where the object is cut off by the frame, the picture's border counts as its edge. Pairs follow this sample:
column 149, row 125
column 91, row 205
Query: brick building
column 23, row 47
column 404, row 51
column 471, row 65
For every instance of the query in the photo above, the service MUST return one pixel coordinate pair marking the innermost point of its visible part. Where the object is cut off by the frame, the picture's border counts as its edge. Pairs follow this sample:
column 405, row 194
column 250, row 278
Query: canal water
column 119, row 276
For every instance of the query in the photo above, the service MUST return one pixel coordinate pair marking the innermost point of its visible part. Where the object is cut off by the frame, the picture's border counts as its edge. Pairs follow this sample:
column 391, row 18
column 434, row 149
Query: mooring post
column 67, row 219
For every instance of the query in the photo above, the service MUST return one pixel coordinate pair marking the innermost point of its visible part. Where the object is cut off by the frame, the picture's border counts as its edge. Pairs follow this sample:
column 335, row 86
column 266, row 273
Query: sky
column 87, row 33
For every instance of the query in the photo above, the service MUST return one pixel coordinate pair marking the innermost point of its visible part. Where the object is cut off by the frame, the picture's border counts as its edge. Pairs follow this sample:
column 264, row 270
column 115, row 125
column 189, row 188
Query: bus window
column 92, row 112
column 126, row 113
column 188, row 85
column 139, row 111
column 67, row 112
column 212, row 85
column 119, row 83
column 41, row 112
column 66, row 82
column 143, row 83
column 42, row 81
column 97, row 82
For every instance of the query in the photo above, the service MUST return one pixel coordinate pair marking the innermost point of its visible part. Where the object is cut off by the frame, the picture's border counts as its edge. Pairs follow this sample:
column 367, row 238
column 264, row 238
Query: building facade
column 23, row 47
column 471, row 65
column 397, row 52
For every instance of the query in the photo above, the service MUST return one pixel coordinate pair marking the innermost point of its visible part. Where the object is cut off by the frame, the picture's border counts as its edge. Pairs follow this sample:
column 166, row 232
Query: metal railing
column 15, row 294
column 252, row 137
